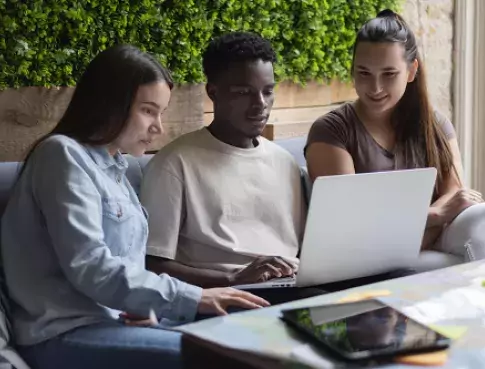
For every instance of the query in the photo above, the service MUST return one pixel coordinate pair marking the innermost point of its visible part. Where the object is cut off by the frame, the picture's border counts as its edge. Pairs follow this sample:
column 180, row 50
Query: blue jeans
column 107, row 345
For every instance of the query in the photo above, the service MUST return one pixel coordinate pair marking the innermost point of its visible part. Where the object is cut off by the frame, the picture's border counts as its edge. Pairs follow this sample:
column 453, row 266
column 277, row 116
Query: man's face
column 243, row 96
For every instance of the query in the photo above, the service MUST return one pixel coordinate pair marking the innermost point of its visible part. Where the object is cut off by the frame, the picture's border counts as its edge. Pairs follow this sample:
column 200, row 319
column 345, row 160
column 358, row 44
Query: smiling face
column 243, row 96
column 144, row 122
column 381, row 74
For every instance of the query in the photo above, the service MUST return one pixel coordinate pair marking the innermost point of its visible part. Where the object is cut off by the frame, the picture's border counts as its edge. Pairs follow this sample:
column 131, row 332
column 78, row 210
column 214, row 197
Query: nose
column 259, row 101
column 376, row 86
column 157, row 126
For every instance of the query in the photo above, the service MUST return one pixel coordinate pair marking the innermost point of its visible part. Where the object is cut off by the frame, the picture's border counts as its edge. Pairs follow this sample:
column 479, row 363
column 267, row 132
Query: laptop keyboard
column 283, row 281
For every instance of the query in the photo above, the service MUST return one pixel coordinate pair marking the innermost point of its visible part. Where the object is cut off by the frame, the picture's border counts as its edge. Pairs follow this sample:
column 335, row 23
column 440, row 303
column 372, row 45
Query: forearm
column 435, row 212
column 205, row 278
column 430, row 237
column 110, row 282
column 435, row 218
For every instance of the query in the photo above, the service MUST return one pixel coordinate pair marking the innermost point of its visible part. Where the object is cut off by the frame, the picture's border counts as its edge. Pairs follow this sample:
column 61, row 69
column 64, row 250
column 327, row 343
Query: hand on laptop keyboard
column 263, row 269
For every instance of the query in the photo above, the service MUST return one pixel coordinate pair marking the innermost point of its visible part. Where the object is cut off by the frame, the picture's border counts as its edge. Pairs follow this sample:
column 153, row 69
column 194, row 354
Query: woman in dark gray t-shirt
column 391, row 126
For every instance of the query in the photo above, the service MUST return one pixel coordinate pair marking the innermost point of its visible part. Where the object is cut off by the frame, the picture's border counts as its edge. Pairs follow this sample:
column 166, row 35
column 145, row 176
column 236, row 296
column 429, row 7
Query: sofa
column 8, row 172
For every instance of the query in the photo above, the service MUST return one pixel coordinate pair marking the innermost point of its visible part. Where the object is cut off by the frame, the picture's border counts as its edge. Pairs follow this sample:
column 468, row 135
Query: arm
column 449, row 187
column 326, row 160
column 204, row 278
column 71, row 207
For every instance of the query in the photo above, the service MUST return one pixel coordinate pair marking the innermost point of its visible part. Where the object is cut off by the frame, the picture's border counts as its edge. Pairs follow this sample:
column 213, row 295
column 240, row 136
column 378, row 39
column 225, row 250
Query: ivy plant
column 50, row 42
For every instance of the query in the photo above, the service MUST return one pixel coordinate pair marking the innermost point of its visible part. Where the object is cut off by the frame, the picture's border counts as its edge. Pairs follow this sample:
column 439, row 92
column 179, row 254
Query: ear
column 413, row 70
column 211, row 90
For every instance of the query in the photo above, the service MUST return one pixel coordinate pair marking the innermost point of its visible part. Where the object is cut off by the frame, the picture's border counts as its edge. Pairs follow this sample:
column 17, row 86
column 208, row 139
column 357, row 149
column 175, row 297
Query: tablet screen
column 365, row 328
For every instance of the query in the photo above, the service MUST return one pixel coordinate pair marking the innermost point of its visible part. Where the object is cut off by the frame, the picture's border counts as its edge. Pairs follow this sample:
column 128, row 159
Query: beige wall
column 30, row 112
column 296, row 107
column 432, row 21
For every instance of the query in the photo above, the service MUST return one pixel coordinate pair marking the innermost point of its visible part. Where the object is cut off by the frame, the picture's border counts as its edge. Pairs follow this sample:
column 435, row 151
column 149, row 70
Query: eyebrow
column 271, row 85
column 155, row 105
column 384, row 69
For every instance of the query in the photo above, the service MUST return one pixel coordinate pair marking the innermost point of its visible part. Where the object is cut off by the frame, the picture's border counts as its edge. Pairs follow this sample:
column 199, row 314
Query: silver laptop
column 360, row 225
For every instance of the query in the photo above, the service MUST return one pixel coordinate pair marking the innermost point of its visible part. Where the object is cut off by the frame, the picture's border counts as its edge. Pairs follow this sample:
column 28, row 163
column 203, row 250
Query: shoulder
column 274, row 148
column 59, row 162
column 59, row 143
column 445, row 124
column 170, row 158
column 180, row 145
column 342, row 115
column 288, row 152
column 284, row 160
column 335, row 128
column 57, row 150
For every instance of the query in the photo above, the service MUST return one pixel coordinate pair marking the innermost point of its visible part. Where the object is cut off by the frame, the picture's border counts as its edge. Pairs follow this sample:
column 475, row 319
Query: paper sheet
column 460, row 303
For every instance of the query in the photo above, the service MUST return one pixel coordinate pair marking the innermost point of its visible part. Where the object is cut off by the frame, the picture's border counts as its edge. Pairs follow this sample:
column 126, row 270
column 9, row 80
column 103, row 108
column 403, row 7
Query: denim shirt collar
column 104, row 159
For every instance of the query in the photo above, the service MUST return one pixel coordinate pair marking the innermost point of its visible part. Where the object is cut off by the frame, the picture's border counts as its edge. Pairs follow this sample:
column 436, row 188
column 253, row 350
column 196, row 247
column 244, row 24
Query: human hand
column 138, row 321
column 263, row 269
column 217, row 300
column 461, row 200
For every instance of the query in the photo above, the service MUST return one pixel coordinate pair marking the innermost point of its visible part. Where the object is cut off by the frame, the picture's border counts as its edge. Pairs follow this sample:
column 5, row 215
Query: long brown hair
column 420, row 140
column 100, row 106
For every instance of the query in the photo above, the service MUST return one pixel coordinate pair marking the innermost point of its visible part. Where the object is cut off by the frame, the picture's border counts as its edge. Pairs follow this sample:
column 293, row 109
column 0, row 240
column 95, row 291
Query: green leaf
column 50, row 42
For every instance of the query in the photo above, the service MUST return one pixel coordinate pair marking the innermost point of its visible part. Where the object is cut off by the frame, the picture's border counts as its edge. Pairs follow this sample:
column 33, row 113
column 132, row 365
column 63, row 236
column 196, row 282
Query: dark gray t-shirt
column 342, row 127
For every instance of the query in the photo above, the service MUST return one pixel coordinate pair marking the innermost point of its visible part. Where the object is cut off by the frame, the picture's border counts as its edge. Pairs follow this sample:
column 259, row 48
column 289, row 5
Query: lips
column 377, row 99
column 258, row 118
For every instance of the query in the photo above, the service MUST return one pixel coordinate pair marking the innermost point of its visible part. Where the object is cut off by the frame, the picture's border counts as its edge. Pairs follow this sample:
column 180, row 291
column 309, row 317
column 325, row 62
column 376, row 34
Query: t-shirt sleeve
column 445, row 125
column 162, row 196
column 329, row 129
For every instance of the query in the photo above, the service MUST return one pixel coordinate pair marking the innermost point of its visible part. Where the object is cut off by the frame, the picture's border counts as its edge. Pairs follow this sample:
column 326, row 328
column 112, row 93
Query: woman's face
column 145, row 119
column 381, row 74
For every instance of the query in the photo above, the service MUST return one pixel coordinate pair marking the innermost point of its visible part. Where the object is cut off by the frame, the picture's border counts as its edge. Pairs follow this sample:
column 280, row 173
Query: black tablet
column 364, row 330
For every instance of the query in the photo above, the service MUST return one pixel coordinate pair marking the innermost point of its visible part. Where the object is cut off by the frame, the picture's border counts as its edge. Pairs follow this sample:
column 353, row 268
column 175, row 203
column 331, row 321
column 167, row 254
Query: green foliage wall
column 49, row 42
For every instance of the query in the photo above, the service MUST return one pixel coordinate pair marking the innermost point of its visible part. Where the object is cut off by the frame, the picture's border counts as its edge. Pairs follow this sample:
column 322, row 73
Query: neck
column 224, row 132
column 382, row 119
column 112, row 149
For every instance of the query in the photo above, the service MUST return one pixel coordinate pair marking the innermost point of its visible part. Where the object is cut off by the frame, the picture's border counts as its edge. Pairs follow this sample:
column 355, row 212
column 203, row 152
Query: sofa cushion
column 8, row 175
column 136, row 168
column 295, row 147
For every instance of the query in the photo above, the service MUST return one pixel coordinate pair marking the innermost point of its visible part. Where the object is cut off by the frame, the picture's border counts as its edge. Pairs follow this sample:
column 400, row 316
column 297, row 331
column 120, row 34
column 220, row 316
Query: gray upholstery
column 8, row 356
column 135, row 170
column 8, row 174
column 295, row 146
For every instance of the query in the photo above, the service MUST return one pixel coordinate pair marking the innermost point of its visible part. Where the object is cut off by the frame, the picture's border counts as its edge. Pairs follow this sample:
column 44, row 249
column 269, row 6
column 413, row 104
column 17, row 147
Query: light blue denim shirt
column 73, row 246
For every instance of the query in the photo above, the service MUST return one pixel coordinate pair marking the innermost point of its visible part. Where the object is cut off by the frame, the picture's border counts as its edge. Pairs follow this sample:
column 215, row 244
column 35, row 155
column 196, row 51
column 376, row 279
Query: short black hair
column 235, row 47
